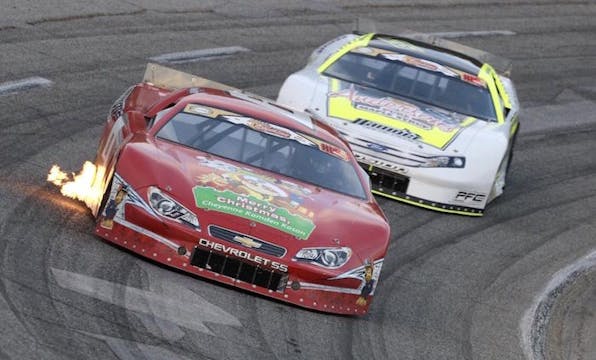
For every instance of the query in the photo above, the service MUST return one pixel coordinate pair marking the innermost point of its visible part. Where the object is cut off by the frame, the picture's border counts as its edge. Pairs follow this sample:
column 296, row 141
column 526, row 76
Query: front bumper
column 427, row 194
column 209, row 254
column 288, row 287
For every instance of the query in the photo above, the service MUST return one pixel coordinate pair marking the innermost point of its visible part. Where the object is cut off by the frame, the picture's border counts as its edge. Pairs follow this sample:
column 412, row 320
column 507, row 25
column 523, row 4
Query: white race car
column 431, row 121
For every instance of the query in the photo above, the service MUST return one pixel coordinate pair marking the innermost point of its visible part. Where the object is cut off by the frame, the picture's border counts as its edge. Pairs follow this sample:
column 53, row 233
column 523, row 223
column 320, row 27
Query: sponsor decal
column 420, row 63
column 464, row 196
column 424, row 124
column 333, row 151
column 258, row 197
column 473, row 80
column 255, row 124
column 268, row 128
column 197, row 109
column 402, row 133
column 254, row 209
column 410, row 60
column 380, row 163
column 247, row 242
column 115, row 205
column 245, row 181
column 368, row 274
column 396, row 109
column 368, row 286
column 446, row 117
column 284, row 133
column 120, row 194
column 376, row 147
column 243, row 255
column 300, row 117
column 403, row 44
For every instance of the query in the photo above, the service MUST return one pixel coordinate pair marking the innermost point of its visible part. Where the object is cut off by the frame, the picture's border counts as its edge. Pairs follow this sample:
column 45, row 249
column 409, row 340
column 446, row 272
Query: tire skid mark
column 6, row 232
column 393, row 279
column 534, row 324
column 58, row 219
column 84, row 17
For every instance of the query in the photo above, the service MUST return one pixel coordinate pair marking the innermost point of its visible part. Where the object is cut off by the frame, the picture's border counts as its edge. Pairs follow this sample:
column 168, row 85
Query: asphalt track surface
column 518, row 283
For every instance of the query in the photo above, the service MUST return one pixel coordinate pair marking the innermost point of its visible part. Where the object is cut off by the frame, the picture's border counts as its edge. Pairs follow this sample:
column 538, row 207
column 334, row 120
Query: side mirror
column 136, row 121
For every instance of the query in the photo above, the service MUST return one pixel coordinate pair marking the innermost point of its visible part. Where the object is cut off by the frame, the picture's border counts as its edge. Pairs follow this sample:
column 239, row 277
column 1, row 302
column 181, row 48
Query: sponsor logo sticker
column 247, row 242
column 243, row 254
column 464, row 196
column 376, row 147
column 252, row 208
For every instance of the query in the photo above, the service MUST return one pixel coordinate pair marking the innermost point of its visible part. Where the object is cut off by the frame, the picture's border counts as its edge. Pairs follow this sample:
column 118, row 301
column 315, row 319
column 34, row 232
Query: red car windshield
column 275, row 149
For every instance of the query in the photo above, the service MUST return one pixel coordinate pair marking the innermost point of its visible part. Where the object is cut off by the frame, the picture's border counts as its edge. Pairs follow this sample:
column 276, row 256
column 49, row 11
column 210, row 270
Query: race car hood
column 254, row 201
column 379, row 116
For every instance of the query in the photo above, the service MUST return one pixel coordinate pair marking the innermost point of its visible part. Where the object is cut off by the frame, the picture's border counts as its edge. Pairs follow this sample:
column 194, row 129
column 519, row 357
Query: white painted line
column 536, row 319
column 11, row 87
column 459, row 34
column 199, row 55
column 191, row 312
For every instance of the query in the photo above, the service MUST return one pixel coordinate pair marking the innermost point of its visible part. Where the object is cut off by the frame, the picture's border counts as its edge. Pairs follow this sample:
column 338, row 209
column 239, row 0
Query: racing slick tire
column 503, row 172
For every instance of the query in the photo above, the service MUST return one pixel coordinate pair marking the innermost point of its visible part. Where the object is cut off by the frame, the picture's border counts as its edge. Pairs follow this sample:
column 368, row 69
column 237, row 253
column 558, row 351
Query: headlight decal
column 444, row 162
column 395, row 159
column 331, row 258
column 169, row 208
column 121, row 193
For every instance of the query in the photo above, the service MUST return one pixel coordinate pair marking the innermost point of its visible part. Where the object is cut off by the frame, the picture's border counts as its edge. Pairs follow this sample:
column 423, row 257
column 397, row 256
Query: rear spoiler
column 165, row 77
column 171, row 79
column 476, row 56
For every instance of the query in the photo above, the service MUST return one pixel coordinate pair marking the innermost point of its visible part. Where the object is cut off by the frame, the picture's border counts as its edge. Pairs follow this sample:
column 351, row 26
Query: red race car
column 232, row 187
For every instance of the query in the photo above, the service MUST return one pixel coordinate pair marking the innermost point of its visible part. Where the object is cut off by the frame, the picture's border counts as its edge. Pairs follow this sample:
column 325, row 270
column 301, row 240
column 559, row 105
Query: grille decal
column 239, row 270
column 246, row 241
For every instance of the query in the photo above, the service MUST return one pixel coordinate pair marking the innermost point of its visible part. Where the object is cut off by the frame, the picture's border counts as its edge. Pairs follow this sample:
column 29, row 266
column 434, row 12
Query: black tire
column 510, row 153
column 104, row 199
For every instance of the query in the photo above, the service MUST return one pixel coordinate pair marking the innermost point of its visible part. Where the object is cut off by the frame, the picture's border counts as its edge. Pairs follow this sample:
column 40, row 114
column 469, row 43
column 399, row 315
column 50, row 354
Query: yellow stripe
column 427, row 206
column 485, row 74
column 342, row 107
column 501, row 88
column 334, row 84
column 497, row 90
column 514, row 127
column 358, row 42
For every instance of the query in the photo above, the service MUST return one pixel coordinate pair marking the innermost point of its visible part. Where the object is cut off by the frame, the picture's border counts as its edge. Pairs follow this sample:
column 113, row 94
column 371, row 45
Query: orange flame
column 86, row 186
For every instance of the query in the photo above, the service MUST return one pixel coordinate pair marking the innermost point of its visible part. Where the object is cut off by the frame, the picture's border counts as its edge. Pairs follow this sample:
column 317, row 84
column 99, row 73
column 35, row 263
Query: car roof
column 265, row 109
column 412, row 48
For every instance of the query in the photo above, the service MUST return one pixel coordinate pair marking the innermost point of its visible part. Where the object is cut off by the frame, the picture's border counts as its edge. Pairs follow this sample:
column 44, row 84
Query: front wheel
column 503, row 171
column 104, row 199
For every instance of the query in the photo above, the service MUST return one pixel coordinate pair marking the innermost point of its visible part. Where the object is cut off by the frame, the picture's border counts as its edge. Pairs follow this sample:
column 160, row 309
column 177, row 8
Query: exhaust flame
column 86, row 186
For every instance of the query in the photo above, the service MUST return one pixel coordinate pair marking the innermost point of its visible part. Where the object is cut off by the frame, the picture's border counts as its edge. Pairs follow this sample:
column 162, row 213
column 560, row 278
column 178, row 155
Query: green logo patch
column 251, row 208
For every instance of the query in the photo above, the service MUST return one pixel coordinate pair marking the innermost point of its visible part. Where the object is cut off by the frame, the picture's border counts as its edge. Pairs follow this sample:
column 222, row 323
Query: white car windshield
column 297, row 156
column 406, row 81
